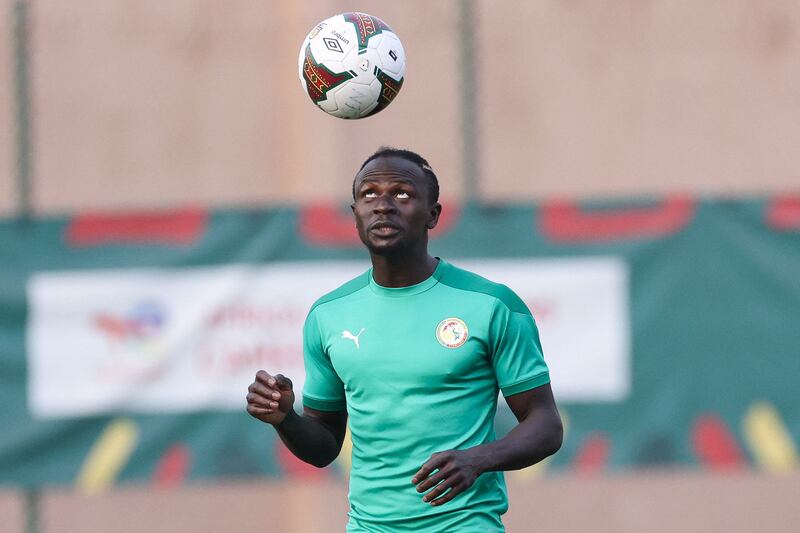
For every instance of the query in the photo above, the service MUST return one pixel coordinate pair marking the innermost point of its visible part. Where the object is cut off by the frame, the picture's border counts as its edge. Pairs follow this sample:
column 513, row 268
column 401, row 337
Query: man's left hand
column 456, row 471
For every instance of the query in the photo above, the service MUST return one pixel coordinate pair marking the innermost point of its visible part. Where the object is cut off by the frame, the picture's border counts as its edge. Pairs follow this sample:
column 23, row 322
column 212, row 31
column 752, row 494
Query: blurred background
column 171, row 203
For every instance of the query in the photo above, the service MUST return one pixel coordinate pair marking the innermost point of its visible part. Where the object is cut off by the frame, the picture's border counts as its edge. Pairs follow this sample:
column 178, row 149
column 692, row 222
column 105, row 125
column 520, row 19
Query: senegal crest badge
column 452, row 332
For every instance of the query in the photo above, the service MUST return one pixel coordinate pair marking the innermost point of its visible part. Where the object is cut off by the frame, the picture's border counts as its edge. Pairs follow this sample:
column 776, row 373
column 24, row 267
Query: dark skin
column 393, row 215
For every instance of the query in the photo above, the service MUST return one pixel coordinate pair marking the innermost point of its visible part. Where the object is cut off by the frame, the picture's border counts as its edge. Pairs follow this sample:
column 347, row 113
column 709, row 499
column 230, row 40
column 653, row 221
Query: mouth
column 384, row 229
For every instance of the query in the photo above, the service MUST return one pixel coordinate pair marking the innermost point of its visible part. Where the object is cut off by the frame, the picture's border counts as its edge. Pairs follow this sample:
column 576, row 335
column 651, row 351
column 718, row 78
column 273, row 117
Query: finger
column 454, row 491
column 438, row 490
column 263, row 390
column 260, row 401
column 431, row 481
column 430, row 465
column 283, row 382
column 265, row 378
column 255, row 410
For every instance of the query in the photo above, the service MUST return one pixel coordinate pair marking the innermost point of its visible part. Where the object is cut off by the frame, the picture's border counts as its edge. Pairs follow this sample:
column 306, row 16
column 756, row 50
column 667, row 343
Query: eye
column 370, row 194
column 403, row 195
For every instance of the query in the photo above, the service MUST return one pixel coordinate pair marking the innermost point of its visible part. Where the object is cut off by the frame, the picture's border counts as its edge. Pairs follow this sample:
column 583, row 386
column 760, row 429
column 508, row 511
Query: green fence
column 711, row 296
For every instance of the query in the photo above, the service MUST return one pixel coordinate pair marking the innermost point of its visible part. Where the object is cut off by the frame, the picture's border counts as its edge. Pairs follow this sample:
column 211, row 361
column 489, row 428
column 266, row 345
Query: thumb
column 283, row 382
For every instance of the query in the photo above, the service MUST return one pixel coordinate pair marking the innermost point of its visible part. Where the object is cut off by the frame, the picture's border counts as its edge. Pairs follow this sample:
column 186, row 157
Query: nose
column 385, row 204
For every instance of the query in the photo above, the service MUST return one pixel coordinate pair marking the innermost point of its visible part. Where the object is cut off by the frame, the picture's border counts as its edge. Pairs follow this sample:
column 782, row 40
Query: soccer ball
column 352, row 65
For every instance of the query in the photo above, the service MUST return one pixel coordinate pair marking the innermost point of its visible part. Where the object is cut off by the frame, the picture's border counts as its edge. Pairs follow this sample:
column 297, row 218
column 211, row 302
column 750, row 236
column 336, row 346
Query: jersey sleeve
column 323, row 389
column 517, row 352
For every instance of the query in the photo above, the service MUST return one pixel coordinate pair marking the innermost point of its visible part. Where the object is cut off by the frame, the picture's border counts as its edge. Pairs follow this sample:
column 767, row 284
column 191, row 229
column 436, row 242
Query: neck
column 402, row 271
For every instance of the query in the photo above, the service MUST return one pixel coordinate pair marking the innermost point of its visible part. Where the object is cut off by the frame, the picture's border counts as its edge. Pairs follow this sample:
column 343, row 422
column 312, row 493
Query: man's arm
column 315, row 437
column 538, row 435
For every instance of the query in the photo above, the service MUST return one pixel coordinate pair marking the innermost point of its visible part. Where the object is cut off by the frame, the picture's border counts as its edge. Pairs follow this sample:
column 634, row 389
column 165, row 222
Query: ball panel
column 334, row 44
column 354, row 100
column 319, row 80
column 392, row 56
column 329, row 105
column 389, row 89
column 366, row 26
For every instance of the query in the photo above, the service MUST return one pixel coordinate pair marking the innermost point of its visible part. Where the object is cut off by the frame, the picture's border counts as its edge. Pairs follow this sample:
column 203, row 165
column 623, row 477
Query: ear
column 433, row 215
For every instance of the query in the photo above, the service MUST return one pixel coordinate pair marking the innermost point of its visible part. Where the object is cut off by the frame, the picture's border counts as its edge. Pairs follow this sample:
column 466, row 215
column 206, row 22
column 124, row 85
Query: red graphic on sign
column 593, row 454
column 183, row 227
column 715, row 445
column 173, row 467
column 565, row 222
column 294, row 467
column 783, row 213
column 329, row 225
column 142, row 322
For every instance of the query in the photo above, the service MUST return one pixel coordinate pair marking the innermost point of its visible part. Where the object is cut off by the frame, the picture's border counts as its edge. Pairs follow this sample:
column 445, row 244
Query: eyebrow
column 401, row 179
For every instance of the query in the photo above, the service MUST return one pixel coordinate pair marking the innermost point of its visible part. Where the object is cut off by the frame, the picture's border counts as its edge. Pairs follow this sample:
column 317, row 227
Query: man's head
column 395, row 202
column 386, row 151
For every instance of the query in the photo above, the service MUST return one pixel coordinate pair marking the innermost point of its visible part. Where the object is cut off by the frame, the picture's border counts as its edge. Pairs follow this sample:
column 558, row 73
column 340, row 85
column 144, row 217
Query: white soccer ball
column 352, row 65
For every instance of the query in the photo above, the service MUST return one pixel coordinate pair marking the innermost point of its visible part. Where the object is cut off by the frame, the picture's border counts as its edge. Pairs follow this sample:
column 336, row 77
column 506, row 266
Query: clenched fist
column 270, row 398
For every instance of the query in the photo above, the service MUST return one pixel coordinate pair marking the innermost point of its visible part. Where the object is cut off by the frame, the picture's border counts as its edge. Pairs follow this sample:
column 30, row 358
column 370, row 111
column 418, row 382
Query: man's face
column 392, row 209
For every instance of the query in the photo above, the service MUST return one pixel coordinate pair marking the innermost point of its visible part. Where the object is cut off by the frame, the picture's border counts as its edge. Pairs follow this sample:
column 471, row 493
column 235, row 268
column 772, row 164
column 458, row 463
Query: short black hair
column 408, row 155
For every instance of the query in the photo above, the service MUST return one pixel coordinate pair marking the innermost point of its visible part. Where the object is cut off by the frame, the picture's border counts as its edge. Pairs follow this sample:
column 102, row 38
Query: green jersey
column 418, row 370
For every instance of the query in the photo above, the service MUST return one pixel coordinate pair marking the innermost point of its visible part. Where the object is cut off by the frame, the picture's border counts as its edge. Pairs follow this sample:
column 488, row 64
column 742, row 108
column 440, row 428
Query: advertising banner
column 177, row 340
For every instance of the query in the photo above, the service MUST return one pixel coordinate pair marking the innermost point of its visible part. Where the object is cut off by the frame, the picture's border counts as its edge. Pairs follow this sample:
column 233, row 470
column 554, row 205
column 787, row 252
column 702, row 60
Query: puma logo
column 347, row 335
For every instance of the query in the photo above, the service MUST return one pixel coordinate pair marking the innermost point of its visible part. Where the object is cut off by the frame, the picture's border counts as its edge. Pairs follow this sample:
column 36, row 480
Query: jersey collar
column 399, row 292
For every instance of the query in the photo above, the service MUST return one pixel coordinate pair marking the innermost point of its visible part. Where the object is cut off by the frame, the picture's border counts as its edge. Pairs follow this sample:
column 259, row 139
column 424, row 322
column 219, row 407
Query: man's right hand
column 270, row 398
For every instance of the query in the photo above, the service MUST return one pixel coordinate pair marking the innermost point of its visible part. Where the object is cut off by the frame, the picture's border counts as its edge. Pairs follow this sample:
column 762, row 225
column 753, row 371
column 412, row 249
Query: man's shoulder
column 344, row 290
column 459, row 278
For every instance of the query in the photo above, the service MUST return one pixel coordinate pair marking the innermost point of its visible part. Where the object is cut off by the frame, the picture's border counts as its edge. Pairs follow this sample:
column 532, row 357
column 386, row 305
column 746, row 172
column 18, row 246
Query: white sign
column 169, row 340
column 581, row 308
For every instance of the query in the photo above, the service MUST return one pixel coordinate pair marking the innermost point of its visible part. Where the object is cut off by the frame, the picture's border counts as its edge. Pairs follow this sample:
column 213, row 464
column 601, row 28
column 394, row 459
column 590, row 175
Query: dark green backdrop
column 715, row 311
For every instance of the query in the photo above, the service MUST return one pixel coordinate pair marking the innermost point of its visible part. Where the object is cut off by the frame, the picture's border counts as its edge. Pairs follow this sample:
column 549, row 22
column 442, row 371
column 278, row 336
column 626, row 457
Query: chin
column 387, row 249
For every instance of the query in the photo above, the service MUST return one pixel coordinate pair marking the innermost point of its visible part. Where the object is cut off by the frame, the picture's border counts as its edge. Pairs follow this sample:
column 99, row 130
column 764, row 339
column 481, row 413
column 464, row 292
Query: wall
column 12, row 511
column 153, row 104
column 7, row 170
column 653, row 502
column 602, row 98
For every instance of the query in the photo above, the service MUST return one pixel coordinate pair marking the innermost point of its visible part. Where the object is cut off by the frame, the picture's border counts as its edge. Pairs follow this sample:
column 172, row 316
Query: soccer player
column 414, row 352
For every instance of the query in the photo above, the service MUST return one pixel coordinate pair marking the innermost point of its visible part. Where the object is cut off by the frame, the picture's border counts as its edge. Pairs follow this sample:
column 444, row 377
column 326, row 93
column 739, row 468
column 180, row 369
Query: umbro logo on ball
column 332, row 44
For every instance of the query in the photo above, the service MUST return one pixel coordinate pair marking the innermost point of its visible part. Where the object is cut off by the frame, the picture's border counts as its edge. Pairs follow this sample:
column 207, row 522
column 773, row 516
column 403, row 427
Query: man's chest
column 430, row 345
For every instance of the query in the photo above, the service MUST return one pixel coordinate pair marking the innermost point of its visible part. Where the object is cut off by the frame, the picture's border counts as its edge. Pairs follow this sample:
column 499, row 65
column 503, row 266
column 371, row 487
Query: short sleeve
column 517, row 353
column 323, row 389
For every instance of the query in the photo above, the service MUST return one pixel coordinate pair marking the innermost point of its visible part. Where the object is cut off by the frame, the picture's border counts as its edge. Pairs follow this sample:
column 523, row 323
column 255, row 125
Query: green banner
column 689, row 312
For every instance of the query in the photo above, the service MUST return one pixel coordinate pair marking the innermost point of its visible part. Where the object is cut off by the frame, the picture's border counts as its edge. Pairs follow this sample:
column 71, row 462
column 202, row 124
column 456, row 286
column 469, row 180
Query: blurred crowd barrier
column 152, row 104
column 631, row 503
column 670, row 330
